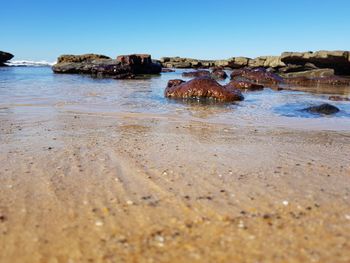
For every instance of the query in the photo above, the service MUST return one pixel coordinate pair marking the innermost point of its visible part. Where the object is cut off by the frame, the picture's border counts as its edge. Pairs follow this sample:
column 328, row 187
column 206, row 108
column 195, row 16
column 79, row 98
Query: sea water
column 38, row 91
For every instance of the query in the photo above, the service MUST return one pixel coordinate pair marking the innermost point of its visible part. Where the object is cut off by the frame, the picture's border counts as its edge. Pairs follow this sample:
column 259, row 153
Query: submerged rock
column 167, row 70
column 313, row 73
column 201, row 88
column 257, row 75
column 196, row 74
column 218, row 73
column 4, row 57
column 244, row 85
column 325, row 108
column 338, row 98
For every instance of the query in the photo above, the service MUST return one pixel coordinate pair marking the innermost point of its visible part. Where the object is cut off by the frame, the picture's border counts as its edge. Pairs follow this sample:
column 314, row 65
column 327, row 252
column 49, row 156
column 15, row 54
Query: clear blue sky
column 44, row 29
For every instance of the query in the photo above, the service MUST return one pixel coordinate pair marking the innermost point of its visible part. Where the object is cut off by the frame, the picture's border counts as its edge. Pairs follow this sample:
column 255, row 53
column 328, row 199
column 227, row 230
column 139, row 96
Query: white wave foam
column 29, row 63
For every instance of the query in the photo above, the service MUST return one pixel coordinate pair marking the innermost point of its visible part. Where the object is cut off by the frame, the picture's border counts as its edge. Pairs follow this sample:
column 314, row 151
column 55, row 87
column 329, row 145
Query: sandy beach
column 85, row 187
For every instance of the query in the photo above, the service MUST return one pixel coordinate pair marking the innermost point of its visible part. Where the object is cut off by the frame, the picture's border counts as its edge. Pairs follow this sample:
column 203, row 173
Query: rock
column 314, row 73
column 244, row 85
column 201, row 88
column 337, row 60
column 330, row 80
column 338, row 98
column 197, row 73
column 80, row 58
column 98, row 65
column 167, row 70
column 178, row 62
column 174, row 82
column 325, row 108
column 219, row 74
column 140, row 64
column 258, row 75
column 4, row 57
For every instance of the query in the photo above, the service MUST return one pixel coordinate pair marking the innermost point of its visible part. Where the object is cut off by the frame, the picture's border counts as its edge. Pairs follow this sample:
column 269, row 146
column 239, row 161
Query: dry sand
column 80, row 187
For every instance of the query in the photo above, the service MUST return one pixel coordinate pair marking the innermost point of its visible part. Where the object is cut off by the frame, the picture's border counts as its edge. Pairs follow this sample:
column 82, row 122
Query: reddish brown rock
column 140, row 63
column 196, row 74
column 218, row 73
column 257, row 75
column 201, row 88
column 244, row 85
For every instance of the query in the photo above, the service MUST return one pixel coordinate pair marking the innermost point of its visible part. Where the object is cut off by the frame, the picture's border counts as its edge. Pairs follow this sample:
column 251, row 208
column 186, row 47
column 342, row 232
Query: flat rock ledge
column 123, row 67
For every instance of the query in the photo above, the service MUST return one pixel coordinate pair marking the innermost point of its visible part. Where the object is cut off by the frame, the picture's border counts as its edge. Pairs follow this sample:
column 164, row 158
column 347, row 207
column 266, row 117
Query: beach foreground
column 143, row 188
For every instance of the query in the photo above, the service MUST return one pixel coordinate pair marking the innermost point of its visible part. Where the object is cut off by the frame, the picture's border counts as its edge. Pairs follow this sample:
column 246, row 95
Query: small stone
column 99, row 223
column 285, row 203
column 129, row 202
column 347, row 216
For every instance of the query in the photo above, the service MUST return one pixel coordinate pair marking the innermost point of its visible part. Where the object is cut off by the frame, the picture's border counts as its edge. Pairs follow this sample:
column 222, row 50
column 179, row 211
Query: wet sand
column 80, row 187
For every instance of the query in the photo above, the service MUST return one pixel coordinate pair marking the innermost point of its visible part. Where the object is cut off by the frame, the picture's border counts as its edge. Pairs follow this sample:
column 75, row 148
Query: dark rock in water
column 166, row 70
column 219, row 74
column 101, row 66
column 140, row 64
column 201, row 88
column 338, row 98
column 196, row 74
column 330, row 80
column 325, row 108
column 4, row 57
column 257, row 75
column 244, row 85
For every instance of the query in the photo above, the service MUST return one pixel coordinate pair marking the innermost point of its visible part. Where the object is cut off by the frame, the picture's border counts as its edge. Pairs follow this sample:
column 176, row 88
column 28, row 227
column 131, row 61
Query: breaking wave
column 29, row 63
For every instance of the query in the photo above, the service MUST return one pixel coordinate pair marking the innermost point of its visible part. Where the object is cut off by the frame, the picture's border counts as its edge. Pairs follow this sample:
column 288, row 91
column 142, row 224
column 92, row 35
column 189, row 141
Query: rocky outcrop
column 326, row 109
column 126, row 66
column 80, row 58
column 201, row 88
column 337, row 60
column 177, row 62
column 287, row 62
column 312, row 73
column 4, row 57
column 257, row 75
column 330, row 80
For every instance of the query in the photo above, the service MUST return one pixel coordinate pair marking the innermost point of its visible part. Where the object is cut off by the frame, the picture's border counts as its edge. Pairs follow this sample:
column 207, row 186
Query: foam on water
column 29, row 63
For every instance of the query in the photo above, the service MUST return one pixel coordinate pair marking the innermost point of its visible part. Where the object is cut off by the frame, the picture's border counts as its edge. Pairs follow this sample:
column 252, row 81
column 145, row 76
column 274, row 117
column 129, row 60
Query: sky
column 45, row 29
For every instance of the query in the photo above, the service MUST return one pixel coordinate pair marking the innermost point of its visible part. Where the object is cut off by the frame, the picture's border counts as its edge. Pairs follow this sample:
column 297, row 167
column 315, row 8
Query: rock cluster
column 4, row 57
column 201, row 88
column 288, row 64
column 216, row 73
column 126, row 66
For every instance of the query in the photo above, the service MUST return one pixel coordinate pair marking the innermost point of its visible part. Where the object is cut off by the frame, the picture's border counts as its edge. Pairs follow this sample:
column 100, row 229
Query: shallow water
column 36, row 90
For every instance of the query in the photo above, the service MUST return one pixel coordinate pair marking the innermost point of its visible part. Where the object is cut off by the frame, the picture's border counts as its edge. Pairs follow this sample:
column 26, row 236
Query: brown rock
column 257, row 75
column 197, row 73
column 218, row 73
column 330, row 80
column 80, row 58
column 201, row 88
column 244, row 85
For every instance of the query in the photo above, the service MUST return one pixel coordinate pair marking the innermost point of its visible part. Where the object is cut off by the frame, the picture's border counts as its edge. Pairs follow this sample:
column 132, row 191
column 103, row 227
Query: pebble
column 347, row 216
column 129, row 202
column 99, row 223
column 285, row 203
